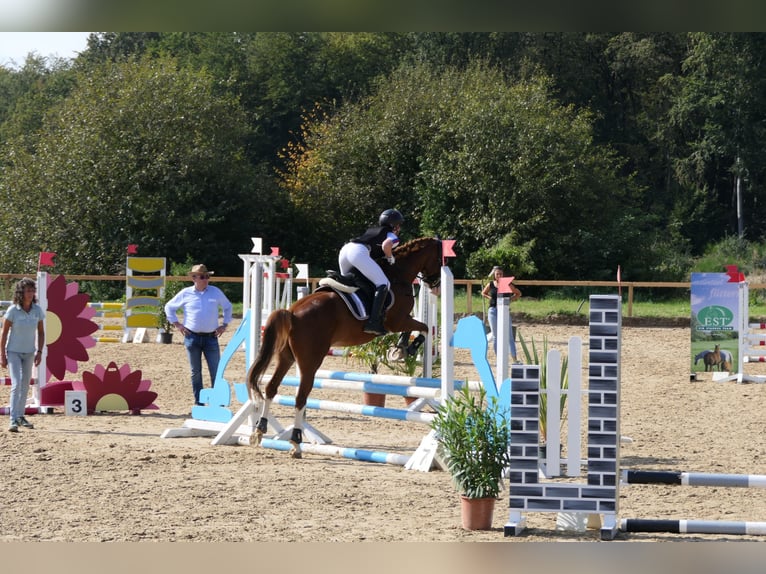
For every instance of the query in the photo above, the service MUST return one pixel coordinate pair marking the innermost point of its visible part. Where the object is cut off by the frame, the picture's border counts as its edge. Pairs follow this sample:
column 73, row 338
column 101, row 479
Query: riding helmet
column 391, row 217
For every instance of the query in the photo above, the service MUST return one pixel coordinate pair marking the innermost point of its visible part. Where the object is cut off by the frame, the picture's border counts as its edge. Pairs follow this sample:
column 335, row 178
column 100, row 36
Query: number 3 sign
column 75, row 403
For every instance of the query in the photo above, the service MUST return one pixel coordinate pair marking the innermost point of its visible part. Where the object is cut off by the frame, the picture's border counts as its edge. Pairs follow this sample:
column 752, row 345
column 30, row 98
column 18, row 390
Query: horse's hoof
column 296, row 453
column 395, row 354
column 255, row 438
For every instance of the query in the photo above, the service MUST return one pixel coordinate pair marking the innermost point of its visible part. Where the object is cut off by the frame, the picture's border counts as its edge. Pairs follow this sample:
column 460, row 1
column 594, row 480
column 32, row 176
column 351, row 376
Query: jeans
column 196, row 346
column 20, row 368
column 493, row 329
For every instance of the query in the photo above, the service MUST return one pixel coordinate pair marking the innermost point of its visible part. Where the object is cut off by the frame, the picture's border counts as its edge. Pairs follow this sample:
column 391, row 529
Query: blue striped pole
column 693, row 478
column 379, row 388
column 693, row 526
column 330, row 450
column 392, row 379
column 382, row 412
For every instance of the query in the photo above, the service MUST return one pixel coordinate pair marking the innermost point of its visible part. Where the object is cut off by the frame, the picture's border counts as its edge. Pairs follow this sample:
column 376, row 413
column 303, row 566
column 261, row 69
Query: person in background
column 490, row 292
column 21, row 347
column 361, row 252
column 200, row 304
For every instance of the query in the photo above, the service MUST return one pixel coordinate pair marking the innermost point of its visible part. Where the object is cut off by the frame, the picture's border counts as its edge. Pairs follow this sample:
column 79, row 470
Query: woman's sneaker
column 13, row 427
column 25, row 423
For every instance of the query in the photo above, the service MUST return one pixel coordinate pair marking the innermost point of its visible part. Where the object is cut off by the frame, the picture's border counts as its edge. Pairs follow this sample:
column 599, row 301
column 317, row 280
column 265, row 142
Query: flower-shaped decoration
column 68, row 327
column 113, row 389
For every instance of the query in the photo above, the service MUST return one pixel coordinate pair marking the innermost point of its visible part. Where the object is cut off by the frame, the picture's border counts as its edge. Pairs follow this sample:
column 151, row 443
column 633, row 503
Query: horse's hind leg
column 284, row 363
column 263, row 423
column 296, row 437
column 308, row 368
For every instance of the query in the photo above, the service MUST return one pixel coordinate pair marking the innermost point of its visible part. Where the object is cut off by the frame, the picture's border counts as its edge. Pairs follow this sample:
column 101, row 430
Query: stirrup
column 375, row 328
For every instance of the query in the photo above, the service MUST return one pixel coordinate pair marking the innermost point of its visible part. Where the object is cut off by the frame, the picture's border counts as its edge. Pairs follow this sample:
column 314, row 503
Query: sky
column 14, row 46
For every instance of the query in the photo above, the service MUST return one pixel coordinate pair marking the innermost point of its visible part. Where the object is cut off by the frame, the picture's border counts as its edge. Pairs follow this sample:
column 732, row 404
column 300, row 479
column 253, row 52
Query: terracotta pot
column 374, row 400
column 477, row 512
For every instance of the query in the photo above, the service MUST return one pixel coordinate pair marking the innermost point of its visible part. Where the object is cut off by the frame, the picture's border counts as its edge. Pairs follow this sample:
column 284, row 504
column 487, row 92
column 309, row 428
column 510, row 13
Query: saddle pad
column 351, row 300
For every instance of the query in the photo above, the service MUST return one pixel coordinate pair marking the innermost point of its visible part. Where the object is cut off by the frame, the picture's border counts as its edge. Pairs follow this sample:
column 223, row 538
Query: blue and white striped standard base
column 693, row 478
column 330, row 450
column 693, row 526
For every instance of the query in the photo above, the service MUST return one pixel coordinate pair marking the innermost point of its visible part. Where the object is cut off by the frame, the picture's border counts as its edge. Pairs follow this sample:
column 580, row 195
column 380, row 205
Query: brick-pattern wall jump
column 600, row 494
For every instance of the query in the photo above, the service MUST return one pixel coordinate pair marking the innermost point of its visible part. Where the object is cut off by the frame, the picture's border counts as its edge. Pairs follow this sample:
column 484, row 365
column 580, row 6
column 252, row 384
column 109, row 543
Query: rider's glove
column 390, row 259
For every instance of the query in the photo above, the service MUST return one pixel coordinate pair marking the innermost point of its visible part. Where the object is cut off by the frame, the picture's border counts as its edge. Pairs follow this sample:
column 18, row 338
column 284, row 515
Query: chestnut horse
column 306, row 331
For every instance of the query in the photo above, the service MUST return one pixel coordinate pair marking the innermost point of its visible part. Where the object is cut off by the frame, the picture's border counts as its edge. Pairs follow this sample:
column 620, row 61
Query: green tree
column 140, row 152
column 471, row 155
column 717, row 123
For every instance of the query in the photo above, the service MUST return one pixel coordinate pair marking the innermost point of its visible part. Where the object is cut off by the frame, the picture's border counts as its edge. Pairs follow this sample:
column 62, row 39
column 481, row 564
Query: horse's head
column 420, row 257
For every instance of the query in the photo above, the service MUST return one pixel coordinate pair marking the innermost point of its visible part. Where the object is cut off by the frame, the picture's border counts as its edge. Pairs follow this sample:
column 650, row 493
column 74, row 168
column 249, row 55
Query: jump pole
column 693, row 478
column 352, row 408
column 693, row 526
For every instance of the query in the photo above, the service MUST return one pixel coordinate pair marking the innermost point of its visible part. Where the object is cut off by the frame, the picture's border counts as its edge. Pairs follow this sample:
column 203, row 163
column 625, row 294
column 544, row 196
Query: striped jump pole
column 693, row 526
column 351, row 408
column 393, row 379
column 693, row 478
column 378, row 388
column 337, row 451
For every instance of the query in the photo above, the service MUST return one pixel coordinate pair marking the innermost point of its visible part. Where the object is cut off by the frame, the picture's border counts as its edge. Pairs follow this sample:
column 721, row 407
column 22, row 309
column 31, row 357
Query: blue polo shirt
column 23, row 333
column 200, row 308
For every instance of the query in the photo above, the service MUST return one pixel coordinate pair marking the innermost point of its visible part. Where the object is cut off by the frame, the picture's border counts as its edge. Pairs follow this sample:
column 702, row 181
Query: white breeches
column 357, row 255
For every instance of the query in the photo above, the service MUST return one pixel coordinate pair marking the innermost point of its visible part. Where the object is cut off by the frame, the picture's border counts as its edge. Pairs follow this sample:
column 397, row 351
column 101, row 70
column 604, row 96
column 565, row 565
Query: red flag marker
column 46, row 258
column 734, row 275
column 504, row 284
column 447, row 249
column 132, row 248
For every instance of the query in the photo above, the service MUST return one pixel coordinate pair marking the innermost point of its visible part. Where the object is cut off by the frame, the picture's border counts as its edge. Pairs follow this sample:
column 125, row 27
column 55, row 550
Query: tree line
column 559, row 155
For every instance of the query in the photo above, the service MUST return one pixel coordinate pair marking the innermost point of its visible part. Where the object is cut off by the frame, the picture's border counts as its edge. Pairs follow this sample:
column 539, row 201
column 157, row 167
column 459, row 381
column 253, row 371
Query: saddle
column 356, row 291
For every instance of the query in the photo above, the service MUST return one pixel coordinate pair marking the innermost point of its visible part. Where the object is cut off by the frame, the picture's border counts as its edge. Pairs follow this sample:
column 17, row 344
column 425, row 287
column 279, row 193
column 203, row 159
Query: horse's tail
column 273, row 341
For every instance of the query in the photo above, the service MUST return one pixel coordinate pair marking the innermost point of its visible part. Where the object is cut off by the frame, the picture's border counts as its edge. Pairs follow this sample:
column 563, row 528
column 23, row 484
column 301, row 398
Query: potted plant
column 473, row 435
column 164, row 326
column 165, row 334
column 533, row 357
column 371, row 355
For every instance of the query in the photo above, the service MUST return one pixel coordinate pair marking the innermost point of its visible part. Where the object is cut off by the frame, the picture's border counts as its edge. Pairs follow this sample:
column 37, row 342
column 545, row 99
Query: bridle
column 433, row 281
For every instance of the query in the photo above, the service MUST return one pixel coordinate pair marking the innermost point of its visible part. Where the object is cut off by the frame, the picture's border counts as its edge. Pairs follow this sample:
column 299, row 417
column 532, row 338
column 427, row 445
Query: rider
column 361, row 252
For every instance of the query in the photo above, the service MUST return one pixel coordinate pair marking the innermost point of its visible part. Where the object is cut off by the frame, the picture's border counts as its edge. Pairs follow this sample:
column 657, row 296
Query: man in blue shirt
column 200, row 304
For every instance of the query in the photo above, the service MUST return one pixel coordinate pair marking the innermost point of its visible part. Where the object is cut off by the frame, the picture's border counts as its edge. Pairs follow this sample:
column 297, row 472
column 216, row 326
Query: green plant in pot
column 163, row 323
column 474, row 435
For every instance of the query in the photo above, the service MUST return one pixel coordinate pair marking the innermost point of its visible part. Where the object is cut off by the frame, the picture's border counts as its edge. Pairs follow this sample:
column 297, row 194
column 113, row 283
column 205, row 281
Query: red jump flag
column 275, row 251
column 132, row 248
column 504, row 284
column 447, row 249
column 46, row 258
column 735, row 276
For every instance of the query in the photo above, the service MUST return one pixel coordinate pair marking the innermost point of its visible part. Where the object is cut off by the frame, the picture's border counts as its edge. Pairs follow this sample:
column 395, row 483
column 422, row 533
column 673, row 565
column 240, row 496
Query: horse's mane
column 413, row 245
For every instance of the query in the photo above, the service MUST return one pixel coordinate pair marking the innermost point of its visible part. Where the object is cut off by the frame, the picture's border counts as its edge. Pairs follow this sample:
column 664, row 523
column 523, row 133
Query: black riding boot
column 374, row 324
